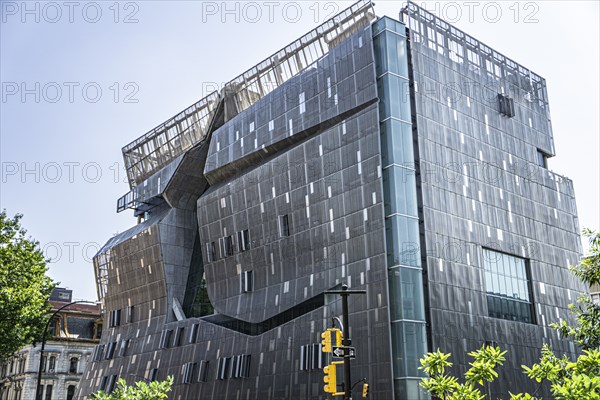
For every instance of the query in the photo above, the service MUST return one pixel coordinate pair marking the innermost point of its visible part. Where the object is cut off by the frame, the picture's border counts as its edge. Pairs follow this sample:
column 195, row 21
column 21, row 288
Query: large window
column 507, row 286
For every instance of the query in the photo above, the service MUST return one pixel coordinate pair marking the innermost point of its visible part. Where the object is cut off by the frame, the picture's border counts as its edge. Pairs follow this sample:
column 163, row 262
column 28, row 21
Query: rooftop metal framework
column 433, row 32
column 161, row 145
column 149, row 153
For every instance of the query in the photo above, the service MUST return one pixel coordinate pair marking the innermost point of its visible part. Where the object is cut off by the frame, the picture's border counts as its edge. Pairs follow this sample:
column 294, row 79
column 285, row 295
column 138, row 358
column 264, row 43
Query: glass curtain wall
column 407, row 311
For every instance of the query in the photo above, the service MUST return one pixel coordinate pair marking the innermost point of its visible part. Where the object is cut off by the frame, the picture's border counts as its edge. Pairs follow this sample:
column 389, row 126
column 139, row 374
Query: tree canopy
column 140, row 391
column 587, row 331
column 24, row 287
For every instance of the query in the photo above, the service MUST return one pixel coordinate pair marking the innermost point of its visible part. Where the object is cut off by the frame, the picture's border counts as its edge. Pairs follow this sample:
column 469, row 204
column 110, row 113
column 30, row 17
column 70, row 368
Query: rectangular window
column 110, row 351
column 102, row 384
column 203, row 372
column 130, row 314
column 112, row 382
column 115, row 318
column 73, row 364
column 284, row 225
column 153, row 374
column 542, row 159
column 243, row 239
column 178, row 336
column 48, row 392
column 223, row 370
column 246, row 281
column 165, row 338
column 506, row 105
column 508, row 287
column 123, row 348
column 194, row 333
column 311, row 357
column 188, row 373
column 98, row 352
column 228, row 246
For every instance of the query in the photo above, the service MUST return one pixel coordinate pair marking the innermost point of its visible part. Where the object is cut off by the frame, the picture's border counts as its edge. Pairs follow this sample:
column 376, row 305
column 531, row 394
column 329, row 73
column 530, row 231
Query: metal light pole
column 346, row 342
column 39, row 376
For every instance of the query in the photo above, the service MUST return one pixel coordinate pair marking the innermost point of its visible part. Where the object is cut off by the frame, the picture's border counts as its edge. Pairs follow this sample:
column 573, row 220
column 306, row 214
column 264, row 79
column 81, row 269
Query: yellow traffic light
column 326, row 342
column 331, row 337
column 365, row 390
column 330, row 378
column 338, row 336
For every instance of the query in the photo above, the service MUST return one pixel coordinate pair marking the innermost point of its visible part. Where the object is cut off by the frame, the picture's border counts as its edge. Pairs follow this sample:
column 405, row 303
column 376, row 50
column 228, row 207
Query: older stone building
column 72, row 335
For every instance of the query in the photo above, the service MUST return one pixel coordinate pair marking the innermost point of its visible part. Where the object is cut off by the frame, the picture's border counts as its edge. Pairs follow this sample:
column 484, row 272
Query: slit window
column 130, row 314
column 194, row 333
column 542, row 159
column 98, row 352
column 115, row 318
column 210, row 252
column 203, row 371
column 223, row 369
column 123, row 348
column 112, row 381
column 227, row 246
column 188, row 372
column 243, row 239
column 165, row 338
column 102, row 384
column 311, row 357
column 178, row 336
column 153, row 374
column 110, row 351
column 246, row 281
column 284, row 225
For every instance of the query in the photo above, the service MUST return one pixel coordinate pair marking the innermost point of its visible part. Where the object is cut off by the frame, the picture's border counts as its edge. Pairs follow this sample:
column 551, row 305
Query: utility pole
column 346, row 341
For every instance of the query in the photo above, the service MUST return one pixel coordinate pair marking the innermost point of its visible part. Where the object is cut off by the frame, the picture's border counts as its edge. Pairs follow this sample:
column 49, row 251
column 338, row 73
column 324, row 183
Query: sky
column 82, row 79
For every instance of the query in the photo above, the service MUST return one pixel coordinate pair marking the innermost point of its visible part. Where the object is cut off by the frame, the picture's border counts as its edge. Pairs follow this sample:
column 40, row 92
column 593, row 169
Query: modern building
column 404, row 158
column 74, row 333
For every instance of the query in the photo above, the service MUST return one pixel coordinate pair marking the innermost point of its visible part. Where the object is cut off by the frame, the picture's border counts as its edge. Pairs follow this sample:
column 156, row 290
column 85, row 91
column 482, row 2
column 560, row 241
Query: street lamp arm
column 39, row 376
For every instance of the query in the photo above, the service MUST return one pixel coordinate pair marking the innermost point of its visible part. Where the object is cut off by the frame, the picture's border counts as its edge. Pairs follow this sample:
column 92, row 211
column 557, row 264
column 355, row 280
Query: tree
column 587, row 331
column 141, row 391
column 569, row 380
column 24, row 287
column 481, row 372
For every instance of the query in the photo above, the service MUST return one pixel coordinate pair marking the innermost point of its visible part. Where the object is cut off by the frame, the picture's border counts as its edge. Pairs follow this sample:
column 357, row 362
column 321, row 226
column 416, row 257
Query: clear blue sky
column 61, row 152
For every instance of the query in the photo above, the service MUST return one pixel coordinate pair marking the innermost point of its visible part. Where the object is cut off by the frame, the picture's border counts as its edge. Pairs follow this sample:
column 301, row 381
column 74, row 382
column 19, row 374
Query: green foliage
column 587, row 331
column 140, row 391
column 24, row 288
column 578, row 380
column 482, row 371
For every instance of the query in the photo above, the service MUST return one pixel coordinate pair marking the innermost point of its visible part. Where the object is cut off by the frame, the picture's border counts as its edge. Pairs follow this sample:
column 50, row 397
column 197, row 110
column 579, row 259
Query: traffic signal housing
column 337, row 337
column 365, row 392
column 330, row 378
column 326, row 342
column 331, row 337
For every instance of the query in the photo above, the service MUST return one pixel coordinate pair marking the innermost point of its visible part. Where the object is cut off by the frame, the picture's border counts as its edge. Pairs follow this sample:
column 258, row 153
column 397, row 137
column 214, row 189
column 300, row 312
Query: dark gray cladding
column 325, row 93
column 482, row 187
column 276, row 229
